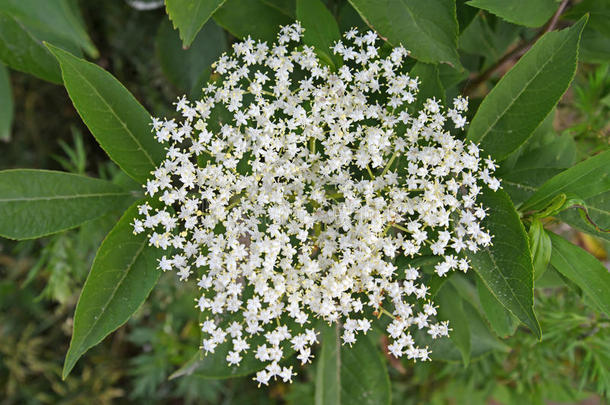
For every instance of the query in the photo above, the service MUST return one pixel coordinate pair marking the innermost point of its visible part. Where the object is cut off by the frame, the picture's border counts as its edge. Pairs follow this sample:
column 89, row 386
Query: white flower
column 291, row 191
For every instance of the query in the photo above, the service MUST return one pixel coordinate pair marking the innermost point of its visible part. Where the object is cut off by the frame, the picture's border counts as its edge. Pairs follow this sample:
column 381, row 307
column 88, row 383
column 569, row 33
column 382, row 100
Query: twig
column 515, row 53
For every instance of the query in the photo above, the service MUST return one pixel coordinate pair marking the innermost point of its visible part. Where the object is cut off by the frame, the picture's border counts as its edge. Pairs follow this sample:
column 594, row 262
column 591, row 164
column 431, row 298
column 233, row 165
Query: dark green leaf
column 20, row 50
column 255, row 18
column 189, row 16
column 488, row 40
column 55, row 21
column 115, row 118
column 583, row 269
column 501, row 320
column 586, row 179
column 321, row 30
column 350, row 375
column 599, row 14
column 595, row 42
column 522, row 99
column 428, row 28
column 189, row 69
column 430, row 87
column 541, row 247
column 35, row 203
column 6, row 104
column 287, row 7
column 465, row 14
column 451, row 309
column 349, row 18
column 560, row 152
column 123, row 273
column 531, row 13
column 594, row 47
column 522, row 184
column 506, row 267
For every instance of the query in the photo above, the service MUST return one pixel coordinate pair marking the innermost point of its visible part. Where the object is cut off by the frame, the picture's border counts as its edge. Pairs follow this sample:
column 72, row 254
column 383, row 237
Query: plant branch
column 515, row 53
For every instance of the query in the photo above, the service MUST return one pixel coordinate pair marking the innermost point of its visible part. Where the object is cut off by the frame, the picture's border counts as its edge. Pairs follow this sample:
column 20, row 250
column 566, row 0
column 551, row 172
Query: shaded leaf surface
column 452, row 310
column 585, row 180
column 6, row 104
column 321, row 30
column 251, row 17
column 22, row 51
column 189, row 69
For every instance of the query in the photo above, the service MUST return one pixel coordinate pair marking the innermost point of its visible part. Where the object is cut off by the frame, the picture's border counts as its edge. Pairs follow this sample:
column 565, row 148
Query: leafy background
column 491, row 357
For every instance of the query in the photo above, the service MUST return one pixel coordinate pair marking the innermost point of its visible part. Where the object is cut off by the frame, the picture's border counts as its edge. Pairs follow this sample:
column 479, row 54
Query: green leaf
column 583, row 269
column 123, row 273
column 328, row 370
column 20, row 50
column 255, row 18
column 189, row 69
column 505, row 267
column 531, row 13
column 6, row 104
column 501, row 320
column 321, row 29
column 36, row 203
column 598, row 208
column 430, row 87
column 451, row 309
column 189, row 16
column 586, row 179
column 350, row 375
column 522, row 99
column 465, row 14
column 428, row 28
column 55, row 21
column 115, row 118
column 522, row 184
column 541, row 247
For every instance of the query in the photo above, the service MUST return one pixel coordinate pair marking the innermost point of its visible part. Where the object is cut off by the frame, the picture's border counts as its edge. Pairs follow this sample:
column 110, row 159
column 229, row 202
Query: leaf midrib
column 114, row 113
column 512, row 102
column 128, row 268
column 63, row 197
column 557, row 190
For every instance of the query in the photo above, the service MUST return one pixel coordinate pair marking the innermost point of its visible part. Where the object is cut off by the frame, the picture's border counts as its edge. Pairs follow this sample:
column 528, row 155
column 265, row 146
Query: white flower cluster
column 290, row 189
